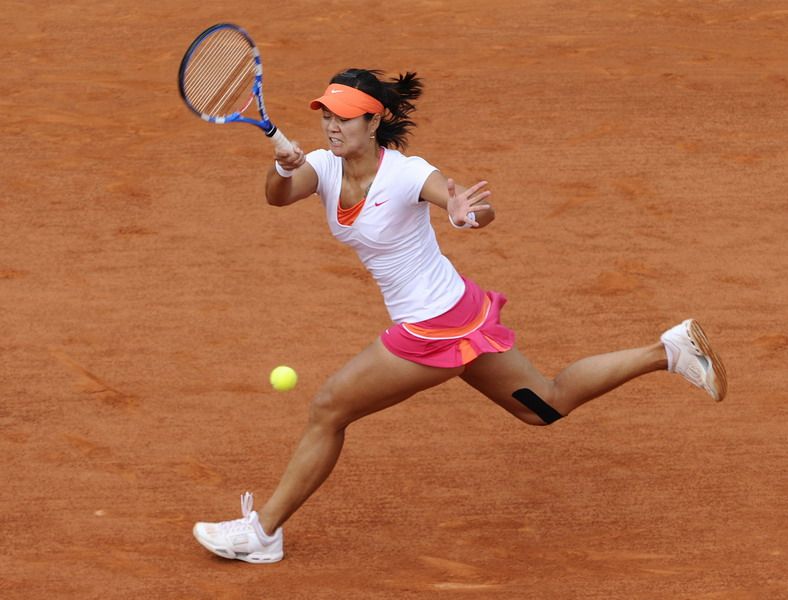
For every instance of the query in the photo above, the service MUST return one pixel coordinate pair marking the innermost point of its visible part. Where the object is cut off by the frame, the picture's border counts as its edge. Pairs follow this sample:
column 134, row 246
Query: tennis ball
column 283, row 378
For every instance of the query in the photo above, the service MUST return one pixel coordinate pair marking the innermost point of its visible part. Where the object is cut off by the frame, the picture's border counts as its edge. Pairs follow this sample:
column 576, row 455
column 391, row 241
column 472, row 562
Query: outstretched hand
column 470, row 200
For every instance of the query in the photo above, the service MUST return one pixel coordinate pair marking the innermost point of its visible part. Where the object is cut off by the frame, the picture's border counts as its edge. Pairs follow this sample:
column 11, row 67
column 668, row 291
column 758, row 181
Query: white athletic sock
column 258, row 529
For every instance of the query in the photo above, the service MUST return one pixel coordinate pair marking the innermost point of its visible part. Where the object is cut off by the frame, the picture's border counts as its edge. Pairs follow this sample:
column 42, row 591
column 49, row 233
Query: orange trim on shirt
column 451, row 332
column 347, row 216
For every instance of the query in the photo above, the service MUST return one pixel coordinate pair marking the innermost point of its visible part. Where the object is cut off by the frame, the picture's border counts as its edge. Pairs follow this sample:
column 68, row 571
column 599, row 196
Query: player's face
column 347, row 137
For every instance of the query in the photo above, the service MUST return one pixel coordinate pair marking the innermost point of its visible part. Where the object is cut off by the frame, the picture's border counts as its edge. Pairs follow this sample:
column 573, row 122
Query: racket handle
column 281, row 142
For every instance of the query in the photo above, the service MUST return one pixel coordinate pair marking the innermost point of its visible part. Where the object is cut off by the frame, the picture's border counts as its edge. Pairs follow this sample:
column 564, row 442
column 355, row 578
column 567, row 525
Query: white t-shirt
column 393, row 236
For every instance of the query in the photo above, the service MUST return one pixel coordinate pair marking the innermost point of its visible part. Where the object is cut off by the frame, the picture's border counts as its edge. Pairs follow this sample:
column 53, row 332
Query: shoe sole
column 720, row 376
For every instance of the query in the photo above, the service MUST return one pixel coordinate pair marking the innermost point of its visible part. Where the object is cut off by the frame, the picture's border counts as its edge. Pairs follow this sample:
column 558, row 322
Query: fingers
column 470, row 200
column 450, row 186
column 475, row 198
column 469, row 194
column 290, row 159
column 474, row 201
column 475, row 188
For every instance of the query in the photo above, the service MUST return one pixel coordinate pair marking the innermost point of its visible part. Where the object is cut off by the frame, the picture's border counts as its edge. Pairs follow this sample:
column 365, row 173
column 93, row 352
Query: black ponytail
column 395, row 94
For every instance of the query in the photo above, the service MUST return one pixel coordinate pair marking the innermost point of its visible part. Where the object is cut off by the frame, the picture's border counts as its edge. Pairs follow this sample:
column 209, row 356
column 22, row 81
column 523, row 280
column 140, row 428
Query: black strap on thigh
column 537, row 406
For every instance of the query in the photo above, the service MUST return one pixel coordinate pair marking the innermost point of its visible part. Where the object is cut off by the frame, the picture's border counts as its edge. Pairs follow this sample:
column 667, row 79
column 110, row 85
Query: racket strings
column 216, row 73
column 220, row 73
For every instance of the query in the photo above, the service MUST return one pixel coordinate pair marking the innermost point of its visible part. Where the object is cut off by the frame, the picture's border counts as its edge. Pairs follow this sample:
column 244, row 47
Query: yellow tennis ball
column 283, row 378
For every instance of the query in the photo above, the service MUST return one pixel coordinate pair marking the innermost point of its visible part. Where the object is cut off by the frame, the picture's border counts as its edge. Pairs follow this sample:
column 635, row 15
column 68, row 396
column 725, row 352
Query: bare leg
column 591, row 377
column 499, row 375
column 372, row 381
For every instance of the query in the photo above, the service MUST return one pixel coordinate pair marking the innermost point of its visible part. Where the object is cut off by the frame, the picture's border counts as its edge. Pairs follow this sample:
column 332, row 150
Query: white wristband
column 469, row 218
column 281, row 170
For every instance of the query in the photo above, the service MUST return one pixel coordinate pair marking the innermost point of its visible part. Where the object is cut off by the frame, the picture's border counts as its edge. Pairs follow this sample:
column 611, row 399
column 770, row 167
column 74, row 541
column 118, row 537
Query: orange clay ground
column 638, row 162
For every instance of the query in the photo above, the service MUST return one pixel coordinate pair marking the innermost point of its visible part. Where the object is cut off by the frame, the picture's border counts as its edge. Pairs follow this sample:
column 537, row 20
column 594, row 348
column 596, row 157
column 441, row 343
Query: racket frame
column 264, row 122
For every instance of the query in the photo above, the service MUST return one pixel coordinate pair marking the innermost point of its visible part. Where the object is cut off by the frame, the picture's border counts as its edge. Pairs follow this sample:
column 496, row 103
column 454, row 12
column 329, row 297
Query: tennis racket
column 221, row 74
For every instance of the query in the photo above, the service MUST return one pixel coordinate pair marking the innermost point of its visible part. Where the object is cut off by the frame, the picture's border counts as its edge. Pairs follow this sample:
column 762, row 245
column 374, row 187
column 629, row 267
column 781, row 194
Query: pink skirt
column 455, row 338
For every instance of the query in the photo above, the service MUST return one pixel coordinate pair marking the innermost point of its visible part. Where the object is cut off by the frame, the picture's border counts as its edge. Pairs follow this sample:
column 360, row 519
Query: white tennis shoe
column 242, row 539
column 690, row 355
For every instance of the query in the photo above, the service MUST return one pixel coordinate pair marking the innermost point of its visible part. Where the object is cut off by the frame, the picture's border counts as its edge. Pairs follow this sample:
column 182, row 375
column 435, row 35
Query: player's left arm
column 459, row 201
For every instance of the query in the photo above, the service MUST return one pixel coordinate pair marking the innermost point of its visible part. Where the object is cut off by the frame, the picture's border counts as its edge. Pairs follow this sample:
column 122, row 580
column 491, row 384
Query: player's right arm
column 281, row 191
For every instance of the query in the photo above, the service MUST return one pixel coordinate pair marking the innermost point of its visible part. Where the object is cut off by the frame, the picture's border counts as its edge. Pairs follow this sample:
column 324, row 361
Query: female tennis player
column 377, row 200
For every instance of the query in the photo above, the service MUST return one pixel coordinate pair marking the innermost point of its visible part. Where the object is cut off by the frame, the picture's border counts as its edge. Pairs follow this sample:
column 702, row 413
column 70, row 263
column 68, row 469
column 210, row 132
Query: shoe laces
column 246, row 521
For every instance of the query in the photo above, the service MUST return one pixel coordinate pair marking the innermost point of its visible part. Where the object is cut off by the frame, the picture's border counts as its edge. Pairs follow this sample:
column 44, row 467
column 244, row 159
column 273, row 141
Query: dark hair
column 395, row 95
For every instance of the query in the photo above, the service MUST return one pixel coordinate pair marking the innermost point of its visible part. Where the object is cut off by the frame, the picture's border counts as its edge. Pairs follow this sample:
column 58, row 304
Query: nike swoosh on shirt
column 379, row 203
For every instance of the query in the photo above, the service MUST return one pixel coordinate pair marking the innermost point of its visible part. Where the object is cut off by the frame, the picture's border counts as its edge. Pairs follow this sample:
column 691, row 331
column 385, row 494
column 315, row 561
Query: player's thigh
column 498, row 376
column 373, row 380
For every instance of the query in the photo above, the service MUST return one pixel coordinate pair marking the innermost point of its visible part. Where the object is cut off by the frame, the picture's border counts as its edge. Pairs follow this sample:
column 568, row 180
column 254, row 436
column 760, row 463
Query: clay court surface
column 638, row 161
